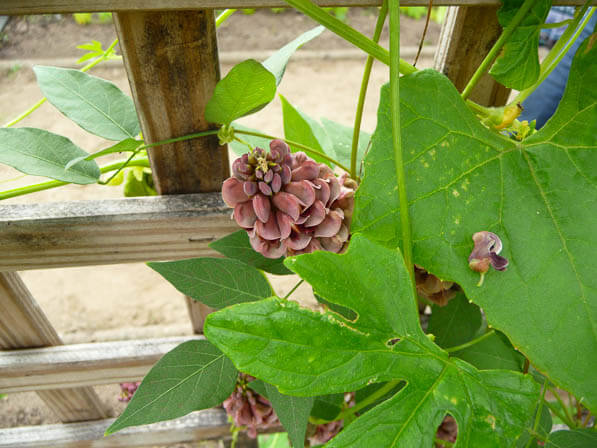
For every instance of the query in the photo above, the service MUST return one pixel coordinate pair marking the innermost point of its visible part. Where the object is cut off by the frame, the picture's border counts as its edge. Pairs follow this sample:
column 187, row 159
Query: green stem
column 493, row 53
column 294, row 288
column 547, row 26
column 383, row 12
column 296, row 145
column 469, row 343
column 538, row 414
column 222, row 17
column 569, row 420
column 562, row 417
column 379, row 393
column 348, row 33
column 58, row 183
column 548, row 66
column 37, row 105
column 397, row 137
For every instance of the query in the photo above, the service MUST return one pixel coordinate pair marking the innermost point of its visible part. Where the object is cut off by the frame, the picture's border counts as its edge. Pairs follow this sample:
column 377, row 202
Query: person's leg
column 543, row 102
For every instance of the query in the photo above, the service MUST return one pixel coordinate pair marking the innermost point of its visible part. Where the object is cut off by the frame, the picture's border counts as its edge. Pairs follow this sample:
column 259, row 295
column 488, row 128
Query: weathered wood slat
column 67, row 366
column 126, row 230
column 23, row 324
column 467, row 35
column 171, row 59
column 200, row 425
column 51, row 6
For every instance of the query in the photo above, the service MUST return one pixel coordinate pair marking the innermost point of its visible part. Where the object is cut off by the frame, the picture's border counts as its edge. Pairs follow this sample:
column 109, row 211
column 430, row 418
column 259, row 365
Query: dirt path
column 131, row 301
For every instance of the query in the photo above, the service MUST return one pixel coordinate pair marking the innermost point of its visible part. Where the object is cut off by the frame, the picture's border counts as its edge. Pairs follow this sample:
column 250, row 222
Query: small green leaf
column 193, row 376
column 293, row 413
column 247, row 88
column 456, row 323
column 42, row 153
column 495, row 352
column 517, row 66
column 98, row 106
column 300, row 128
column 237, row 246
column 327, row 407
column 128, row 145
column 579, row 438
column 276, row 63
column 341, row 137
column 217, row 282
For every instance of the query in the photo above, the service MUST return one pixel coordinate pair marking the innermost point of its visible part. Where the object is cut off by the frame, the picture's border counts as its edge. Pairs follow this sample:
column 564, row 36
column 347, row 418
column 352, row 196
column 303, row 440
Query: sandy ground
column 130, row 301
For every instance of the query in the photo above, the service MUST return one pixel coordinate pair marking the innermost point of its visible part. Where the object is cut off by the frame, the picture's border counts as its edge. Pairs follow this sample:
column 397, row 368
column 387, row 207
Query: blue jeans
column 543, row 102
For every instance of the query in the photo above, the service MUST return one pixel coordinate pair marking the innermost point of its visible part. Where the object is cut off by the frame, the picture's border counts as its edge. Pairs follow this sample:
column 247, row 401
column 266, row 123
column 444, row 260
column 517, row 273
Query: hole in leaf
column 446, row 433
column 392, row 342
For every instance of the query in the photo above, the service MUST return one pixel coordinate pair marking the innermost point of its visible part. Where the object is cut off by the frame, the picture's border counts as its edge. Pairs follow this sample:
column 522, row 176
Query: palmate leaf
column 517, row 66
column 539, row 196
column 309, row 353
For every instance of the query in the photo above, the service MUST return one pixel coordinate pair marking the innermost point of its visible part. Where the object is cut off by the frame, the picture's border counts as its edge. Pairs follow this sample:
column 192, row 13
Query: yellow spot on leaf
column 455, row 193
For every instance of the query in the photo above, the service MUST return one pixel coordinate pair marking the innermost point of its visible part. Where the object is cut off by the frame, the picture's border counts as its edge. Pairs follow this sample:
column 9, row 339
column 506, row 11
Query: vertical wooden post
column 467, row 35
column 171, row 59
column 23, row 324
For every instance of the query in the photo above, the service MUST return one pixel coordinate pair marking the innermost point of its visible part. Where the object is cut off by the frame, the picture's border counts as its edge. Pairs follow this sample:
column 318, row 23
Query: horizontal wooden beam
column 200, row 425
column 82, row 233
column 15, row 7
column 66, row 366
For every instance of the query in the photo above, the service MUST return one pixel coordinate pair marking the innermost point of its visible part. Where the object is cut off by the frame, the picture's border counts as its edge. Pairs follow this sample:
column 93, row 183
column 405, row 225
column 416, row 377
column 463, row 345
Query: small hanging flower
column 485, row 253
column 288, row 203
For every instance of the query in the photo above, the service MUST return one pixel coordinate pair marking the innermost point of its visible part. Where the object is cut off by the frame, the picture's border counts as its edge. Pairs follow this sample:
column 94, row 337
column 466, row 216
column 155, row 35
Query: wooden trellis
column 171, row 58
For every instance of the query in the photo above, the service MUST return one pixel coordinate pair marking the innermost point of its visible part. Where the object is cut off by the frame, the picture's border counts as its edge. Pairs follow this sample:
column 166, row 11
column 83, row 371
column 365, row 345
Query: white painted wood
column 200, row 425
column 67, row 366
column 80, row 233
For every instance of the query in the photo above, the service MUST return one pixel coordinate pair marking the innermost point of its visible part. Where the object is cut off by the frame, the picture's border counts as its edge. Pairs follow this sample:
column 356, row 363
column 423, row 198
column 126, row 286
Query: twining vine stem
column 471, row 342
column 383, row 12
column 294, row 288
column 493, row 53
column 397, row 138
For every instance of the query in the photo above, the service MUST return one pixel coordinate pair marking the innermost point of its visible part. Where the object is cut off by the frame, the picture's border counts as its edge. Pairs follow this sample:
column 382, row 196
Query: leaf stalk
column 470, row 343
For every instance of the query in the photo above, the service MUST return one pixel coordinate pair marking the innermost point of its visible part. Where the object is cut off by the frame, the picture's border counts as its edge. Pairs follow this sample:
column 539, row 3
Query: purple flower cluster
column 288, row 203
column 127, row 390
column 247, row 408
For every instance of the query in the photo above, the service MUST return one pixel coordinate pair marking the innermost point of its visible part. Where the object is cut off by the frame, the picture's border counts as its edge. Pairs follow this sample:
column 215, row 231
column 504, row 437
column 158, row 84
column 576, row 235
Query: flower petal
column 316, row 214
column 250, row 188
column 274, row 249
column 265, row 188
column 287, row 203
column 335, row 190
column 262, row 207
column 269, row 230
column 498, row 262
column 244, row 214
column 279, row 150
column 308, row 170
column 232, row 192
column 311, row 247
column 303, row 191
column 330, row 225
column 322, row 192
column 284, row 224
column 333, row 244
column 268, row 176
column 286, row 174
column 276, row 183
column 297, row 241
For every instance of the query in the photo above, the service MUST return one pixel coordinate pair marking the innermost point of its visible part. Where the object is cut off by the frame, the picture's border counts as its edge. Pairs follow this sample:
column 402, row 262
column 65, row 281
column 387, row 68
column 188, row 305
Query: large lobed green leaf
column 193, row 376
column 538, row 196
column 42, row 153
column 517, row 66
column 97, row 105
column 310, row 353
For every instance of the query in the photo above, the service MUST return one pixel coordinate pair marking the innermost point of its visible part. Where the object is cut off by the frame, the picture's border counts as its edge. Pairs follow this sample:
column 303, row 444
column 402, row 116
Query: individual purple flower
column 288, row 203
column 127, row 390
column 249, row 409
column 485, row 254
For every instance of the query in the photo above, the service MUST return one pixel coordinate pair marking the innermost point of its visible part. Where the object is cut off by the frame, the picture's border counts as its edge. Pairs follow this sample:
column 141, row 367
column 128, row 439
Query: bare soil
column 131, row 301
